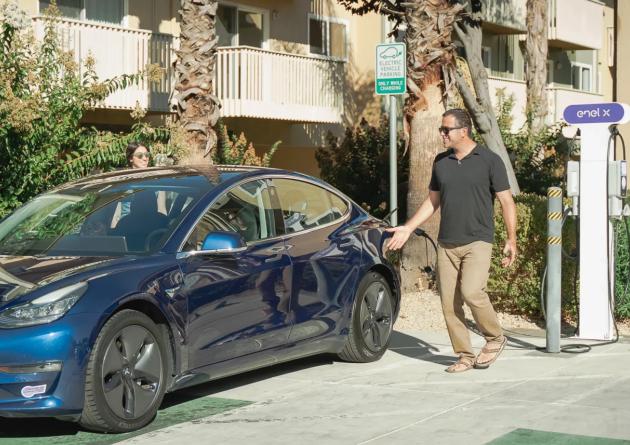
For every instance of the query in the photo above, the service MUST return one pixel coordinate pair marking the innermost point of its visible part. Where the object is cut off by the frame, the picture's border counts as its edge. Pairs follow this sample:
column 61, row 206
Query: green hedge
column 517, row 289
column 622, row 269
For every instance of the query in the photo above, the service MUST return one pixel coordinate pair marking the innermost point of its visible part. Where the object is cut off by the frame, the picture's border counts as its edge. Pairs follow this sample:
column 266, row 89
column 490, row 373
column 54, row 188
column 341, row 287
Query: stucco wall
column 623, row 60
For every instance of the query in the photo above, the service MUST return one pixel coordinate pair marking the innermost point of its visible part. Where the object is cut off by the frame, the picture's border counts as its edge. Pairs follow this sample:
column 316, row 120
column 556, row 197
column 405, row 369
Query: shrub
column 517, row 289
column 233, row 150
column 622, row 269
column 43, row 97
column 359, row 167
column 538, row 159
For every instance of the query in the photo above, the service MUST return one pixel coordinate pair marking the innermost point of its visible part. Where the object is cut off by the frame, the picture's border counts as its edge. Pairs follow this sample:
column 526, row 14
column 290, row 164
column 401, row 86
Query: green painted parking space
column 53, row 432
column 529, row 437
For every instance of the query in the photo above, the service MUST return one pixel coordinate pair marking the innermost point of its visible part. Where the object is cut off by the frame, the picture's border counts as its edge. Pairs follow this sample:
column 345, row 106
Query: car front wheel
column 372, row 320
column 126, row 374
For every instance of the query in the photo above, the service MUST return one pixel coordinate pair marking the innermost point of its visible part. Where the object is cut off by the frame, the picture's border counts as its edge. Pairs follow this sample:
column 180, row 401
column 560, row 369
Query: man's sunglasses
column 142, row 155
column 446, row 130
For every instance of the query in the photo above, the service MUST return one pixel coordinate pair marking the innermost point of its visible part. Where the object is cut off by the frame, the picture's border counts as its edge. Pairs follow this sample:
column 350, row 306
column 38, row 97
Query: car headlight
column 44, row 309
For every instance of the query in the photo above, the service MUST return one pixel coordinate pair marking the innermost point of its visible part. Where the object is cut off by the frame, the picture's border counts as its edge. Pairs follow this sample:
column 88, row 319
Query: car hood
column 21, row 274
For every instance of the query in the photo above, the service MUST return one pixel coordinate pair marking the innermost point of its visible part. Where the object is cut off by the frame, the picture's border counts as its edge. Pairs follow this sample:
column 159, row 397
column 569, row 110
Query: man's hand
column 510, row 253
column 401, row 235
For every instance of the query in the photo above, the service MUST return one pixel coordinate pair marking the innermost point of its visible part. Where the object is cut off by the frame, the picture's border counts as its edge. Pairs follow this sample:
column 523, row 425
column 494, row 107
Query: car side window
column 305, row 206
column 245, row 209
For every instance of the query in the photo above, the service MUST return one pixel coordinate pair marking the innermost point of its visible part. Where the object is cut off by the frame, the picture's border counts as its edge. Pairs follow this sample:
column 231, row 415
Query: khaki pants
column 462, row 277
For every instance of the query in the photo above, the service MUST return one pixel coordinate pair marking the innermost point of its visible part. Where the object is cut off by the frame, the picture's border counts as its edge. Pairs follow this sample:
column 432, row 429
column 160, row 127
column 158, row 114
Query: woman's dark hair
column 131, row 148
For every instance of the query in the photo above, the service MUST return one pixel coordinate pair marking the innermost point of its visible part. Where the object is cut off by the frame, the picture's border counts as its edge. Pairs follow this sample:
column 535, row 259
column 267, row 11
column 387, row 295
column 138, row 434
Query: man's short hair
column 461, row 117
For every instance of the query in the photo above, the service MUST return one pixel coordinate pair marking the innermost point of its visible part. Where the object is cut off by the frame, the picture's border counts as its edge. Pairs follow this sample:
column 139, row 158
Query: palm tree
column 197, row 107
column 536, row 64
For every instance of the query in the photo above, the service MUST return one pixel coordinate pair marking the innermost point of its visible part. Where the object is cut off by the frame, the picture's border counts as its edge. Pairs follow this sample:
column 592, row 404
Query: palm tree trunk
column 430, row 53
column 197, row 107
column 424, row 144
column 536, row 64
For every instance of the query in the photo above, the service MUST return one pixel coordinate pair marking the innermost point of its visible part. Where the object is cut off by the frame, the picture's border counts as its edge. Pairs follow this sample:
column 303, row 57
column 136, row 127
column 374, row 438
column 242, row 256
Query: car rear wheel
column 372, row 321
column 126, row 374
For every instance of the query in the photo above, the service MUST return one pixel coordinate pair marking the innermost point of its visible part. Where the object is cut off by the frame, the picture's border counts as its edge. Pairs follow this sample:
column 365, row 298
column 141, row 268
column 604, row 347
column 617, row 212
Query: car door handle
column 273, row 259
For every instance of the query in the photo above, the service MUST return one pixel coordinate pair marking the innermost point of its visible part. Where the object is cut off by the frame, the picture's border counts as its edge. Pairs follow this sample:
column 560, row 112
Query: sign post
column 597, row 278
column 391, row 80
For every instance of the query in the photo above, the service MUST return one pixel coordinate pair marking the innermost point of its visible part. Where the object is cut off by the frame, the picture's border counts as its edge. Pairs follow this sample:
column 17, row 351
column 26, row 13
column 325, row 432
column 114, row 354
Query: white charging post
column 596, row 235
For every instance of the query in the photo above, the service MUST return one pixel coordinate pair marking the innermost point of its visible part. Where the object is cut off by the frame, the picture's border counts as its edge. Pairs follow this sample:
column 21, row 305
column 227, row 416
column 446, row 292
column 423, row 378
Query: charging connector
column 617, row 188
column 573, row 185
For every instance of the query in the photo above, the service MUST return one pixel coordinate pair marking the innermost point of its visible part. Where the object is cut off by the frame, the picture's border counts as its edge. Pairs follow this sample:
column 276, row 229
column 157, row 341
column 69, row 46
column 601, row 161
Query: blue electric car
column 119, row 287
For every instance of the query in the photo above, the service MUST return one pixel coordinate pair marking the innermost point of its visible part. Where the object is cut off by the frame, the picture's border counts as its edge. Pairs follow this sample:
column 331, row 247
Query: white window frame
column 123, row 23
column 328, row 20
column 591, row 71
column 265, row 15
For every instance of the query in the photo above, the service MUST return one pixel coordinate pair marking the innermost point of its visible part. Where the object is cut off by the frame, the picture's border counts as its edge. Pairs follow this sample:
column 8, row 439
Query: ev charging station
column 597, row 185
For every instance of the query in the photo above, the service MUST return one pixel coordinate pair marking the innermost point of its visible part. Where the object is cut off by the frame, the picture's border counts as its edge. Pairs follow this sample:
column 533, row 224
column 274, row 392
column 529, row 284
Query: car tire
column 372, row 321
column 126, row 375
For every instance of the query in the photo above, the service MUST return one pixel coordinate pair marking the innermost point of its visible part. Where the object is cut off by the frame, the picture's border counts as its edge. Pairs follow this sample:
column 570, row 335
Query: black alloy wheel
column 372, row 321
column 126, row 375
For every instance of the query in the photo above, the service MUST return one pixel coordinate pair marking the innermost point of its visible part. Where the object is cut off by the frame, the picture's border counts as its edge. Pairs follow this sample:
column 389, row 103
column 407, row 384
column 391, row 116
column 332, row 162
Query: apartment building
column 579, row 61
column 288, row 70
column 620, row 40
column 292, row 70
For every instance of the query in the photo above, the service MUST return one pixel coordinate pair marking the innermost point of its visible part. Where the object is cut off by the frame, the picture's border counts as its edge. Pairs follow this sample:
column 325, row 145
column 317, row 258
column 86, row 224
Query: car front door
column 237, row 303
column 325, row 258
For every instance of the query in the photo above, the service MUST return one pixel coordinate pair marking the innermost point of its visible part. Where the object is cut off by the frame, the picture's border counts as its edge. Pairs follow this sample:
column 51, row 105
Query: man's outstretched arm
column 402, row 233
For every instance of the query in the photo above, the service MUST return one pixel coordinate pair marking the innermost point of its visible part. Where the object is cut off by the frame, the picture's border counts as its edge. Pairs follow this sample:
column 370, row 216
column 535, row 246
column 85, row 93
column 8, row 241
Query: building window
column 110, row 11
column 240, row 27
column 486, row 57
column 581, row 76
column 328, row 37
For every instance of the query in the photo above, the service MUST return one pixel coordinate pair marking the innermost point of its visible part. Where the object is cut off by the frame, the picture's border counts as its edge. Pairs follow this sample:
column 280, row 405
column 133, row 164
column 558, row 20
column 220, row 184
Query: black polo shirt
column 467, row 188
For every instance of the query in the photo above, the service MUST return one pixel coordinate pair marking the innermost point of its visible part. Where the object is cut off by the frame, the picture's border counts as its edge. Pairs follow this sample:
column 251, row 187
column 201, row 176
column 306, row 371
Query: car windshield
column 110, row 219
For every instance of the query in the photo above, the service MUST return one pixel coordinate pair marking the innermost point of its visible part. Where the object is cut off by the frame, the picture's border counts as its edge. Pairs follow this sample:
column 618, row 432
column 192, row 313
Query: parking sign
column 391, row 69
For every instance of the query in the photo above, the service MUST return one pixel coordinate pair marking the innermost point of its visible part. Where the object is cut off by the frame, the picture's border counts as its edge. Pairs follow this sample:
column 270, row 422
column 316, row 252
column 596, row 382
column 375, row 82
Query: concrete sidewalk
column 406, row 397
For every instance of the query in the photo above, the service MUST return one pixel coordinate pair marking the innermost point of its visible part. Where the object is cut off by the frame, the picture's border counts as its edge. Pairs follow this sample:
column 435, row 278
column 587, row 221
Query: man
column 464, row 181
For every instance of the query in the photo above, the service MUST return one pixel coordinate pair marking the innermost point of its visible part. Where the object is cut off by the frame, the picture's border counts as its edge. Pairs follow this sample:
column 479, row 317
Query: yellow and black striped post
column 554, row 267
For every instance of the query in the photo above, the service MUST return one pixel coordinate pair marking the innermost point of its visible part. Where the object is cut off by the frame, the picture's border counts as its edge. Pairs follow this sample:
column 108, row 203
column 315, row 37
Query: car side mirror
column 222, row 243
column 218, row 243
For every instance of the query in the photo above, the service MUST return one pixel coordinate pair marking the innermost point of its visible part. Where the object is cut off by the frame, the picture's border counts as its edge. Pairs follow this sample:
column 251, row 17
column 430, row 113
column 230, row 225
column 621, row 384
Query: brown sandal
column 461, row 365
column 495, row 349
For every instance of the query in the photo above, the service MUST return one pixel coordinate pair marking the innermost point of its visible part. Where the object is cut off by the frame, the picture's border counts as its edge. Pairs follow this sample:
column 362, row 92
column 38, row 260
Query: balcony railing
column 558, row 98
column 252, row 82
column 576, row 24
column 117, row 51
column 505, row 16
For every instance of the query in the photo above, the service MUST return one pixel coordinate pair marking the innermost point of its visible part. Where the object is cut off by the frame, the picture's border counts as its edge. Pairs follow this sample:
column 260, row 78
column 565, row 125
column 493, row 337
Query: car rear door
column 325, row 257
column 238, row 304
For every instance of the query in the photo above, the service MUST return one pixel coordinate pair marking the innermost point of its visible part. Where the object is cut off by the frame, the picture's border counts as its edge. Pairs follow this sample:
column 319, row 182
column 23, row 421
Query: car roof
column 213, row 175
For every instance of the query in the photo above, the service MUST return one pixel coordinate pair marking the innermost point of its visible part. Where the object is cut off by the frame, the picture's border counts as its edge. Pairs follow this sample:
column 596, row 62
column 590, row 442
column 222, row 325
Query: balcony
column 558, row 98
column 119, row 51
column 505, row 16
column 576, row 24
column 257, row 83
